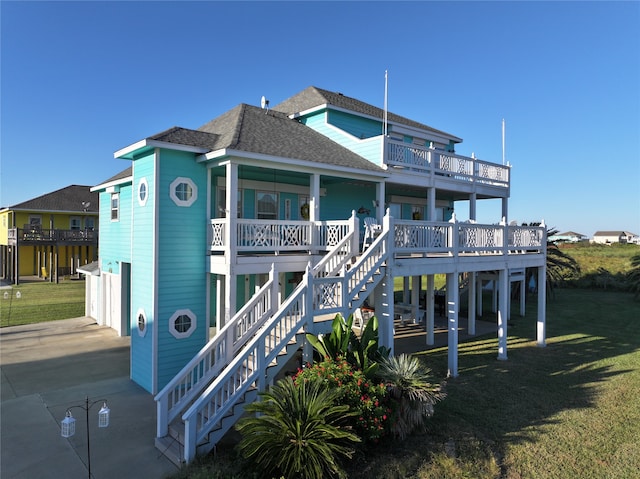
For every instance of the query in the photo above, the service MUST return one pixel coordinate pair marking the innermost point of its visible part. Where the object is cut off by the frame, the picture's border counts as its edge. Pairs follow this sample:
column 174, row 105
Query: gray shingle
column 69, row 198
column 312, row 97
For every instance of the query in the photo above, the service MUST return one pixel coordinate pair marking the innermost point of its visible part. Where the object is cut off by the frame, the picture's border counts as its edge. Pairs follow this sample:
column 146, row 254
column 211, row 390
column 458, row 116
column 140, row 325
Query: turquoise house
column 221, row 246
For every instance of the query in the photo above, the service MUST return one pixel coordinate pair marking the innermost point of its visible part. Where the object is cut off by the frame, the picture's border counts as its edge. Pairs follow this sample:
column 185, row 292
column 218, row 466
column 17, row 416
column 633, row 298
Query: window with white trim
column 89, row 223
column 267, row 205
column 182, row 323
column 75, row 223
column 183, row 191
column 141, row 322
column 143, row 191
column 115, row 206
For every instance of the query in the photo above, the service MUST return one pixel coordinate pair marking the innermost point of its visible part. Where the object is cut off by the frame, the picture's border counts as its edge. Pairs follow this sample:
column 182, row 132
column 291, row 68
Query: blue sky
column 80, row 80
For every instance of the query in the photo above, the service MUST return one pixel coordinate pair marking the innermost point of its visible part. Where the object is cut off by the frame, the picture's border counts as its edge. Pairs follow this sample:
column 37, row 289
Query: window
column 35, row 220
column 143, row 192
column 115, row 206
column 182, row 324
column 141, row 322
column 89, row 223
column 303, row 201
column 267, row 205
column 183, row 191
column 75, row 223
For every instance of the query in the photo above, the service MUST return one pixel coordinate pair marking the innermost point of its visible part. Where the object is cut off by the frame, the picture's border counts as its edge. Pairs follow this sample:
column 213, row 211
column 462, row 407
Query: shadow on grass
column 500, row 400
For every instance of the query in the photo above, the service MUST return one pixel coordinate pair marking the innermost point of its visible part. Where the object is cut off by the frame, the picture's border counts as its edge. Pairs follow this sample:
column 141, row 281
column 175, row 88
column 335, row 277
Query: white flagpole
column 386, row 81
column 503, row 140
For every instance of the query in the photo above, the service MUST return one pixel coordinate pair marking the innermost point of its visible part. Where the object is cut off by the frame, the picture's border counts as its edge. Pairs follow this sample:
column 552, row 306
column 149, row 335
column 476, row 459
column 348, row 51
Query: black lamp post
column 69, row 423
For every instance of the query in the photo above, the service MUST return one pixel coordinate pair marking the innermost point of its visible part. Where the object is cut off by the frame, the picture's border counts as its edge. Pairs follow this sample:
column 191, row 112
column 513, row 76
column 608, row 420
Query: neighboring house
column 608, row 237
column 268, row 222
column 569, row 236
column 49, row 236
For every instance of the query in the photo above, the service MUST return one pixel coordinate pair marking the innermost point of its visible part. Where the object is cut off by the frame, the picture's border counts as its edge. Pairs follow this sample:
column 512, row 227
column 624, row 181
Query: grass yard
column 569, row 410
column 41, row 301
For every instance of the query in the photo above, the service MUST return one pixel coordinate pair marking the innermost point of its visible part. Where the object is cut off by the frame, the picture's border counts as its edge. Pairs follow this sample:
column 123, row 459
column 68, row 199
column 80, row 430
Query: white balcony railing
column 454, row 238
column 253, row 235
column 431, row 161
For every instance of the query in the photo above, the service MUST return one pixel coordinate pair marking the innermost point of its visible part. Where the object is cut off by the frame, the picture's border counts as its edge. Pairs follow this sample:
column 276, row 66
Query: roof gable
column 69, row 198
column 313, row 97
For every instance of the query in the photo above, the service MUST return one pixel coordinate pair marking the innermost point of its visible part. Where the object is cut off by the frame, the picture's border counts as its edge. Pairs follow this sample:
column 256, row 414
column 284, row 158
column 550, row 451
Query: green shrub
column 366, row 399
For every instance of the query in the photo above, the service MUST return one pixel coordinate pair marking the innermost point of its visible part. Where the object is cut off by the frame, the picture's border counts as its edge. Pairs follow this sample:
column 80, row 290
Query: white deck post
column 314, row 211
column 415, row 298
column 471, row 321
column 503, row 281
column 430, row 309
column 479, row 298
column 523, row 295
column 453, row 294
column 542, row 301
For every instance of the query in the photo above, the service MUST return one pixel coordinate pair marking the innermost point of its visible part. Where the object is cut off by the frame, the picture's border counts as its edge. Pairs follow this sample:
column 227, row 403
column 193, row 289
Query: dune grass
column 37, row 302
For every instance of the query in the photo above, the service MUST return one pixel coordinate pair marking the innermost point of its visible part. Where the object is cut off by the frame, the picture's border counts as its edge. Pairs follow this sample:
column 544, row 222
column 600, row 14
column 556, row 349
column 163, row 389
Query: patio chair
column 371, row 231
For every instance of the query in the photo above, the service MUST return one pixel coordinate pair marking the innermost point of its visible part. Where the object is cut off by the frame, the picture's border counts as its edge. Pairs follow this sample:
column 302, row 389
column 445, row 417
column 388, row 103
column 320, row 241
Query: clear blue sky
column 81, row 80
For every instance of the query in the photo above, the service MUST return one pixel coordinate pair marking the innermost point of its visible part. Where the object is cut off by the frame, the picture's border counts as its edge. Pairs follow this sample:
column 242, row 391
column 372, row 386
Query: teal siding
column 342, row 198
column 369, row 146
column 357, row 126
column 181, row 255
column 142, row 274
column 115, row 236
column 249, row 203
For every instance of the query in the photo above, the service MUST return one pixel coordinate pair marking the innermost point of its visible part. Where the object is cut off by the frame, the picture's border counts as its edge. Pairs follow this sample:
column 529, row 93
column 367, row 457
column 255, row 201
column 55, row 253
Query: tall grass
column 41, row 301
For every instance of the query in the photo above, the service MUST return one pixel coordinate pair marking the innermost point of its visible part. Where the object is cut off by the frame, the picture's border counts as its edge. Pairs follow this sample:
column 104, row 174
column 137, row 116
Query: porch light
column 103, row 415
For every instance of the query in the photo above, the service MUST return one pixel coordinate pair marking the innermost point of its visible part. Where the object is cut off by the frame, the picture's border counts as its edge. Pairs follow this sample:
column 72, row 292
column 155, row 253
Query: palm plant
column 408, row 384
column 634, row 275
column 299, row 433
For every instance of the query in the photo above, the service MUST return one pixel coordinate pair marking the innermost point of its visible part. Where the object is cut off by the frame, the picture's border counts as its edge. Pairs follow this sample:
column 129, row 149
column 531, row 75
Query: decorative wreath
column 304, row 211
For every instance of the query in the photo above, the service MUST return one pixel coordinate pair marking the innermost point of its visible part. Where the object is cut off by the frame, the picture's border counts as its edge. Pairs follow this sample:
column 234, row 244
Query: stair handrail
column 247, row 367
column 212, row 358
column 342, row 252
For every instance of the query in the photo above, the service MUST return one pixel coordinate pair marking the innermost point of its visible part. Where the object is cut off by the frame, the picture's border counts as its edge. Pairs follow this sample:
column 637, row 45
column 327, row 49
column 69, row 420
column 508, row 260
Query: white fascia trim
column 146, row 143
column 303, row 166
column 428, row 135
column 120, row 181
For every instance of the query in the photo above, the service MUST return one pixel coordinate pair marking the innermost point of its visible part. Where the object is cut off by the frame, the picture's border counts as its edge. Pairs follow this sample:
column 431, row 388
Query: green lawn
column 41, row 301
column 568, row 410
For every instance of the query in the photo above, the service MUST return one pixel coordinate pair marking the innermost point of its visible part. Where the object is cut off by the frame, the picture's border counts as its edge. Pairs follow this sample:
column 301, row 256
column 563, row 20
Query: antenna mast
column 503, row 139
column 386, row 81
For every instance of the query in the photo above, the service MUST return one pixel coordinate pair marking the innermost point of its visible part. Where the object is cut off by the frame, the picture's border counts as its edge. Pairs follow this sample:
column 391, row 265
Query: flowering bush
column 361, row 394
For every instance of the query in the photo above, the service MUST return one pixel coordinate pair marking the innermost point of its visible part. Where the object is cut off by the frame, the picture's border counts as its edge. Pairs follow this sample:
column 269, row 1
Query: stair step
column 172, row 449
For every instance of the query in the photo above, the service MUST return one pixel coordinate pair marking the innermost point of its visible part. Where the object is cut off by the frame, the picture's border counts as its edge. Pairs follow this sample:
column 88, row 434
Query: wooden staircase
column 207, row 397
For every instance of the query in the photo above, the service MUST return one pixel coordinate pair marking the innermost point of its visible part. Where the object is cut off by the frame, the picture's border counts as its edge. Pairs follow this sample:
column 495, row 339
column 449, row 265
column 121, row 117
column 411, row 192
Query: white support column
column 406, row 296
column 472, row 206
column 453, row 294
column 230, row 290
column 431, row 204
column 307, row 348
column 231, row 213
column 314, row 210
column 220, row 298
column 415, row 298
column 479, row 298
column 503, row 281
column 384, row 310
column 430, row 310
column 505, row 210
column 471, row 321
column 542, row 304
column 380, row 195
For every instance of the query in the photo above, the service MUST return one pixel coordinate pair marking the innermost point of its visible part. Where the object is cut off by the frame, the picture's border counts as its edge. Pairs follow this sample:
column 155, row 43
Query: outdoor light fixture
column 68, row 424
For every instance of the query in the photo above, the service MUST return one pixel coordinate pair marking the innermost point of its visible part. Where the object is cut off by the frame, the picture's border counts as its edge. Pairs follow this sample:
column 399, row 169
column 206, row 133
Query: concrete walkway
column 48, row 367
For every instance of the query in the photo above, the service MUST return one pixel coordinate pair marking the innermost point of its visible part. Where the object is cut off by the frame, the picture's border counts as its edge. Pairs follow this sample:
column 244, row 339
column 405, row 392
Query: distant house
column 49, row 236
column 569, row 236
column 608, row 237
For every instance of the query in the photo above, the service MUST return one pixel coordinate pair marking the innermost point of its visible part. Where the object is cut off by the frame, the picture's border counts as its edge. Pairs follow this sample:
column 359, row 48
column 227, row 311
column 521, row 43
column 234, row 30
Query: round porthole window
column 141, row 322
column 143, row 192
column 182, row 323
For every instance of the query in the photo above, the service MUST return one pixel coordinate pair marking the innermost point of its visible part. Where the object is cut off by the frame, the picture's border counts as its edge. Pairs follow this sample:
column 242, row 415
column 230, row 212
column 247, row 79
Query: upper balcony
column 35, row 235
column 456, row 168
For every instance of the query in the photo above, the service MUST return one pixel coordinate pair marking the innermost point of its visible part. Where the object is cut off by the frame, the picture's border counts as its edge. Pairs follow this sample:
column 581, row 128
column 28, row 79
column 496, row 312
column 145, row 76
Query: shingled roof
column 267, row 132
column 313, row 97
column 69, row 198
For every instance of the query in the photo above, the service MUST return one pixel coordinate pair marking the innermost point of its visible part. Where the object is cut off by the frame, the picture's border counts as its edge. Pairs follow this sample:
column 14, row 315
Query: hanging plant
column 304, row 211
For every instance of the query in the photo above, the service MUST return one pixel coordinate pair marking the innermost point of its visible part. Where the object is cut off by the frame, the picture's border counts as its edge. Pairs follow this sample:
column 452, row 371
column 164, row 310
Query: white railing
column 248, row 369
column 454, row 238
column 254, row 235
column 431, row 161
column 214, row 356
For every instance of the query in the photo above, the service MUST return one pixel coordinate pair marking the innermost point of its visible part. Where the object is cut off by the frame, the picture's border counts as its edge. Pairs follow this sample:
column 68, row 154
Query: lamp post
column 69, row 423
